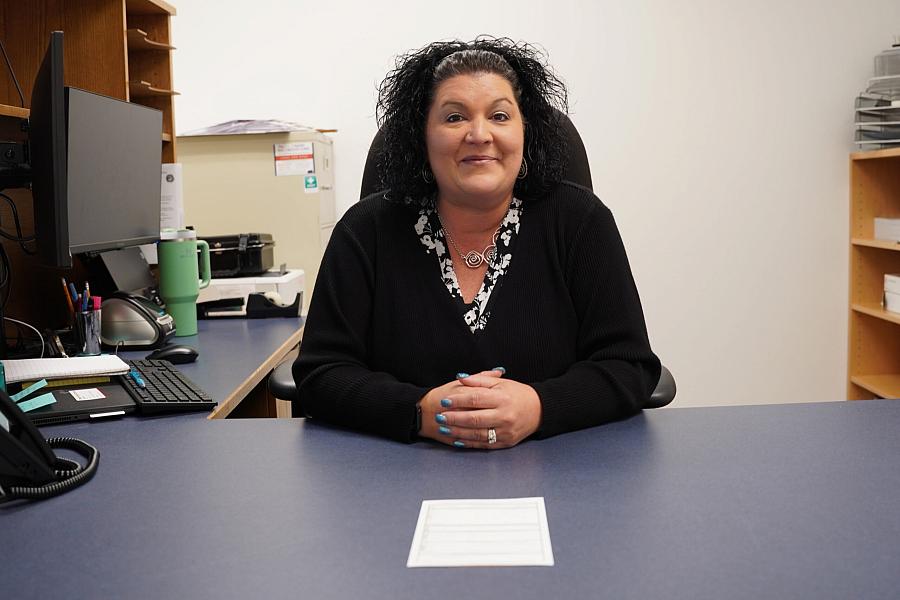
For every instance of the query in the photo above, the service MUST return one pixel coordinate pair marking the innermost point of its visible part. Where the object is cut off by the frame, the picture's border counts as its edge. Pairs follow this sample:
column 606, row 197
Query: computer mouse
column 175, row 354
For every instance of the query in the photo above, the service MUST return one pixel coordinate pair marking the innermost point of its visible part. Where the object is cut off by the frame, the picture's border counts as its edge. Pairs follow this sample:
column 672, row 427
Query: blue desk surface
column 234, row 355
column 784, row 501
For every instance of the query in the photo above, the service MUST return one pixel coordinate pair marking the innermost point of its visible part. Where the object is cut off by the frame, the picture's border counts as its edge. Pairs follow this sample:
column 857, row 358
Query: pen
column 72, row 292
column 68, row 295
column 137, row 378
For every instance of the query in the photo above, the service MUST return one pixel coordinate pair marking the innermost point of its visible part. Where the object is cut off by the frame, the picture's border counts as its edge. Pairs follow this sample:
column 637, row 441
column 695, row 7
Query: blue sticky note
column 42, row 400
column 29, row 390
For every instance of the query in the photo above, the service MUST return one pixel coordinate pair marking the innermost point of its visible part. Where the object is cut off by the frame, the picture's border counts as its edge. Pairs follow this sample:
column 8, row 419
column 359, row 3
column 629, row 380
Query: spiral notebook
column 31, row 369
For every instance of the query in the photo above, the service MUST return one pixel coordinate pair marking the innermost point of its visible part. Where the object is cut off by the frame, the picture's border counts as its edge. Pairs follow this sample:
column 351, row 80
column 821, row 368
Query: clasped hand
column 462, row 412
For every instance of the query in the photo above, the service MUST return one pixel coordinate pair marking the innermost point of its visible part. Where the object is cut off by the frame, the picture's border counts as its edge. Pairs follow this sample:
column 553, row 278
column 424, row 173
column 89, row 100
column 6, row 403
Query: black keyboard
column 165, row 388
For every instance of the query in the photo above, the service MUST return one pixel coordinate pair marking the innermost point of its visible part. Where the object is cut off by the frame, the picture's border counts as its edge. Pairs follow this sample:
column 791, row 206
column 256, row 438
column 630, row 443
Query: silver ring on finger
column 492, row 436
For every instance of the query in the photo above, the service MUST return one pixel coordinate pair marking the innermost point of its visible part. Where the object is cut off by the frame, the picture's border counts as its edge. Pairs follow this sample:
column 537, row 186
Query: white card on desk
column 87, row 394
column 481, row 533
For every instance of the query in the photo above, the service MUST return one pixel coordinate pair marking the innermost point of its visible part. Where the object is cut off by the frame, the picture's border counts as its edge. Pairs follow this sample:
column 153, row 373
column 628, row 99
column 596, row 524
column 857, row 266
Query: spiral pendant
column 473, row 259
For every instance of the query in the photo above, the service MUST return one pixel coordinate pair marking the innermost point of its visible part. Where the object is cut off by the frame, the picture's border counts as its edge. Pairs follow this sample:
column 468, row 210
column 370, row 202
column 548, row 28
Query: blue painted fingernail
column 444, row 430
column 462, row 375
column 440, row 418
column 446, row 402
column 459, row 444
column 501, row 369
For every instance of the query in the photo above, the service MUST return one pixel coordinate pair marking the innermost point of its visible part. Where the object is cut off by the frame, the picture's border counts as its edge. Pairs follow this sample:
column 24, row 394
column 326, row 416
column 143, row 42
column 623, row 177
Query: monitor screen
column 113, row 172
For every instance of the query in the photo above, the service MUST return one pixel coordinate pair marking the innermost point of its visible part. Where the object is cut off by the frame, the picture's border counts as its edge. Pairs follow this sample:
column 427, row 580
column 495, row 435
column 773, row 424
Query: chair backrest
column 577, row 169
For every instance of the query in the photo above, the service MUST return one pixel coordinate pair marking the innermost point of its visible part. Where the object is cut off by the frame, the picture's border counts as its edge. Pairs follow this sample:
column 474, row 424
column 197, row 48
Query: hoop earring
column 427, row 175
column 523, row 170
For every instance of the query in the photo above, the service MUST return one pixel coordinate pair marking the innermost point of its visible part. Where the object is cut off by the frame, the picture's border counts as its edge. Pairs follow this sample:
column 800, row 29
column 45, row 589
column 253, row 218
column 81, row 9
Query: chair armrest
column 282, row 385
column 665, row 390
column 281, row 382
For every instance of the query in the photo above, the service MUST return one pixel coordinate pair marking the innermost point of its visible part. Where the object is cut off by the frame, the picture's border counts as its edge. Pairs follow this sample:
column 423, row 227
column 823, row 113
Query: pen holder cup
column 87, row 333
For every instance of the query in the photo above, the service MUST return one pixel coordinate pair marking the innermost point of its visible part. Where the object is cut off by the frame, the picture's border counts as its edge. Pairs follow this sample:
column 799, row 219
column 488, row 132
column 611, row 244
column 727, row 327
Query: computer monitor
column 113, row 172
column 47, row 151
column 96, row 167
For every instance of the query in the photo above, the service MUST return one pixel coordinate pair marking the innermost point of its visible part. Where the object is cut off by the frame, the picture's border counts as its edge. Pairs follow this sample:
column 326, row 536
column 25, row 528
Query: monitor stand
column 124, row 270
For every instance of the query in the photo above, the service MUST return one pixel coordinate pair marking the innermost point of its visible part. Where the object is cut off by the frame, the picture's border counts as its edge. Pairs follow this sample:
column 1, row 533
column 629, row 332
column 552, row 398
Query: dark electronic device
column 175, row 354
column 158, row 387
column 114, row 404
column 47, row 149
column 28, row 467
column 134, row 322
column 114, row 176
column 240, row 255
column 95, row 171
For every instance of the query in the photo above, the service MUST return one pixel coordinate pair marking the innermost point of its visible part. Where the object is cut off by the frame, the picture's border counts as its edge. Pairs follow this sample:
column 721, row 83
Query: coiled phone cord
column 71, row 473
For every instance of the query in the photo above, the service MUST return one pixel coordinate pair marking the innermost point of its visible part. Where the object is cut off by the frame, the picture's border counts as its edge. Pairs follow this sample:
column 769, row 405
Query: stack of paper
column 33, row 369
column 877, row 122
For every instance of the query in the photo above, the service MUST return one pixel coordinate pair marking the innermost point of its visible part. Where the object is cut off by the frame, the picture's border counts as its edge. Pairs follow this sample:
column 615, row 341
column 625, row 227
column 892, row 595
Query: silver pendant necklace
column 473, row 259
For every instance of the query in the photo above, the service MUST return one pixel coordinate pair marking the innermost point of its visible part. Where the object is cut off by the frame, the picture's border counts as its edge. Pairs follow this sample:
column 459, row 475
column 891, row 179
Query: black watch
column 418, row 426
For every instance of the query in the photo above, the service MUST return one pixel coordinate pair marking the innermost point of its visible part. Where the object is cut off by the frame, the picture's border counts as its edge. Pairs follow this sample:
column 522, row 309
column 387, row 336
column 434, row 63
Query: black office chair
column 578, row 170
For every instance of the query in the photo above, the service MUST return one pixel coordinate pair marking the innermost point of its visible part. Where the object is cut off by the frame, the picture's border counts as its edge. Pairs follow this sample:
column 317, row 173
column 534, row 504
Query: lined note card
column 481, row 533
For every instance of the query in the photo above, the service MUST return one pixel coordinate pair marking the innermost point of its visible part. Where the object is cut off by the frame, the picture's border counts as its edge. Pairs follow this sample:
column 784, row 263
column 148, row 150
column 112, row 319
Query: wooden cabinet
column 874, row 333
column 118, row 48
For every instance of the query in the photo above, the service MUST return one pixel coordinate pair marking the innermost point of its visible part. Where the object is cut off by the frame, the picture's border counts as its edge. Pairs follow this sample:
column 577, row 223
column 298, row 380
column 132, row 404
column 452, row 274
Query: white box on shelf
column 887, row 230
column 892, row 283
column 892, row 302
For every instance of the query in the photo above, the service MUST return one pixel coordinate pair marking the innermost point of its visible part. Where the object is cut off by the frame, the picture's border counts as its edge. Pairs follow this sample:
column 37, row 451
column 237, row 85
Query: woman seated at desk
column 479, row 300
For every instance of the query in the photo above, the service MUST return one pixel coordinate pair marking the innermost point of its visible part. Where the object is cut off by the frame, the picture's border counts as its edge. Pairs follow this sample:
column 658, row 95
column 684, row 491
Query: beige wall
column 230, row 187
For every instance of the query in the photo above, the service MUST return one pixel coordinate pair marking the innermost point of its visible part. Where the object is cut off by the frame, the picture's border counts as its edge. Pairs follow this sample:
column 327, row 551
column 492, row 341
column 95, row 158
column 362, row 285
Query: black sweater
column 566, row 319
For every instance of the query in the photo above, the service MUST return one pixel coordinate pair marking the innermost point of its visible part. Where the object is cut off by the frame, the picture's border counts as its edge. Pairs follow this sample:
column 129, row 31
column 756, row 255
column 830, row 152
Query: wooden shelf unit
column 13, row 111
column 873, row 363
column 101, row 56
column 139, row 40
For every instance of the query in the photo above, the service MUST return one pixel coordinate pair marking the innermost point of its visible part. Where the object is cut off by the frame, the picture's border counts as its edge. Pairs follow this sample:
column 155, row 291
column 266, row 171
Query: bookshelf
column 118, row 48
column 873, row 363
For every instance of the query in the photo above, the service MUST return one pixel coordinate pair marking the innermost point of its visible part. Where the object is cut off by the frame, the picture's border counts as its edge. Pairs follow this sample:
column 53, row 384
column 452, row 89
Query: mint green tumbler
column 179, row 279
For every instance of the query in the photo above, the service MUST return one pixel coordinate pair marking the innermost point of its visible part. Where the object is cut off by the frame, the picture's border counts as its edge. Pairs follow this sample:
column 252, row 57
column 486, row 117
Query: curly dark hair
column 405, row 96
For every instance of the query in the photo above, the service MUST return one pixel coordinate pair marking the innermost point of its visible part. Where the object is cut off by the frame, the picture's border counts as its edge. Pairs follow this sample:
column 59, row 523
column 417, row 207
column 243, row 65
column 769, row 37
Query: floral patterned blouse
column 431, row 234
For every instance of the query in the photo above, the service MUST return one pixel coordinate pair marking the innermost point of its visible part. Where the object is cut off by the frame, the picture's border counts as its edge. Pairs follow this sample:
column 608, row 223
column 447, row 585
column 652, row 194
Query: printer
column 270, row 294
